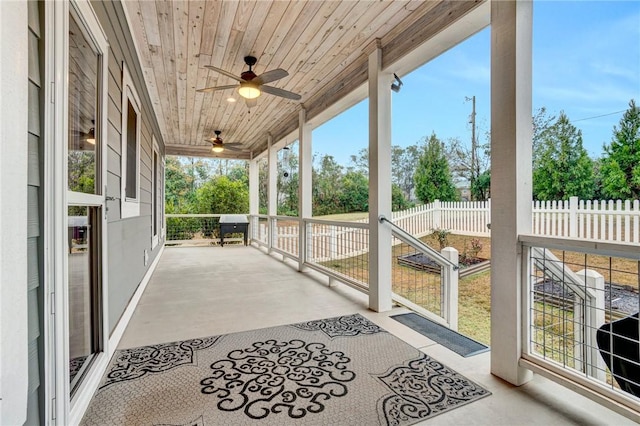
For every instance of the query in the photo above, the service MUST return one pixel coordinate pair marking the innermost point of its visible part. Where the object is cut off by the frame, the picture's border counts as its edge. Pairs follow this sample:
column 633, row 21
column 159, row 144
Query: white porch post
column 511, row 133
column 254, row 196
column 379, row 184
column 272, row 188
column 305, row 176
column 14, row 75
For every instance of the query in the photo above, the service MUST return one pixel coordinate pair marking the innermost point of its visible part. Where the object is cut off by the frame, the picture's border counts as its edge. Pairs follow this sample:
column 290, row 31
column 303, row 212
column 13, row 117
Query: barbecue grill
column 233, row 224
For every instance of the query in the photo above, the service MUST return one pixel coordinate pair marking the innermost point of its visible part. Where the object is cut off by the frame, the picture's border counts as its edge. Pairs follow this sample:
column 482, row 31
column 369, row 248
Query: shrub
column 441, row 235
column 476, row 247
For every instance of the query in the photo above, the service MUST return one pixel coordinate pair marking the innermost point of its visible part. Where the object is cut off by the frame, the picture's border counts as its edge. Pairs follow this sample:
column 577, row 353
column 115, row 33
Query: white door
column 75, row 165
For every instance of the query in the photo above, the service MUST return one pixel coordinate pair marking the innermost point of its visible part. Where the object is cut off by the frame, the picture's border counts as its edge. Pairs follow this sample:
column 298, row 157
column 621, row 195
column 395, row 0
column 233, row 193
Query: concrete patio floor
column 204, row 291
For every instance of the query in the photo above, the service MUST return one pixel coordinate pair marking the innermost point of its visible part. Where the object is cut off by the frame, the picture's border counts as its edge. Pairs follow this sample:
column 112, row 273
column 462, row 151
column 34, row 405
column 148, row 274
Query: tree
column 238, row 172
column 563, row 167
column 179, row 196
column 354, row 192
column 81, row 171
column 620, row 164
column 481, row 187
column 288, row 180
column 221, row 195
column 460, row 162
column 403, row 165
column 433, row 177
column 263, row 185
column 326, row 184
column 398, row 200
column 360, row 162
column 541, row 123
column 198, row 169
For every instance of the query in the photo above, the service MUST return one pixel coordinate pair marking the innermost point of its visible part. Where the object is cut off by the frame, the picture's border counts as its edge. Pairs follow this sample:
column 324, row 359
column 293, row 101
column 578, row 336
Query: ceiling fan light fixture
column 217, row 148
column 91, row 136
column 249, row 90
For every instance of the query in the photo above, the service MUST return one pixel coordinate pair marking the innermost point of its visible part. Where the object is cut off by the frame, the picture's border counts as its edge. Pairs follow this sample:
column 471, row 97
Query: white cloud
column 613, row 70
column 594, row 91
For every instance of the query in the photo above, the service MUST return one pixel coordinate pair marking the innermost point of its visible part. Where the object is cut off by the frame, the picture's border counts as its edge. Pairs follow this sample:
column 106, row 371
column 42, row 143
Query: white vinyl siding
column 34, row 200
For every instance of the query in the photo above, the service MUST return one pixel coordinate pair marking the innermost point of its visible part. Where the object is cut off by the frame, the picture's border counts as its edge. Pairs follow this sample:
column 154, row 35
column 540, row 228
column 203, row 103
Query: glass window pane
column 132, row 151
column 84, row 289
column 83, row 88
column 155, row 193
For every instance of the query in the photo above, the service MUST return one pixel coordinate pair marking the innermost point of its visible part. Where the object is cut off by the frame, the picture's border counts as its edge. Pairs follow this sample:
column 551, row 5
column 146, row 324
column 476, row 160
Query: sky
column 586, row 62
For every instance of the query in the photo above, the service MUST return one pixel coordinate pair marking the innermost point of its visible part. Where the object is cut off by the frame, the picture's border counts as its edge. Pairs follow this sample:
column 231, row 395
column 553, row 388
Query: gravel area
column 617, row 298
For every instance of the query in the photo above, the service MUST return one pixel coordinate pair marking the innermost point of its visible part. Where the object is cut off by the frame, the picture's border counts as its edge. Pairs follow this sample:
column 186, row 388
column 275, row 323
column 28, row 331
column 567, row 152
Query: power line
column 598, row 116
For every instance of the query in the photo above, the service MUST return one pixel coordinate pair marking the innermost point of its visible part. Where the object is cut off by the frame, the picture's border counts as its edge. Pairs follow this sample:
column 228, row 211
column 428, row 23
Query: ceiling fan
column 219, row 146
column 251, row 85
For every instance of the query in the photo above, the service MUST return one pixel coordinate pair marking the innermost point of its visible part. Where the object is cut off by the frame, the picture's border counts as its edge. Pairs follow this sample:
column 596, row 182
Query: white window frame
column 130, row 205
column 156, row 204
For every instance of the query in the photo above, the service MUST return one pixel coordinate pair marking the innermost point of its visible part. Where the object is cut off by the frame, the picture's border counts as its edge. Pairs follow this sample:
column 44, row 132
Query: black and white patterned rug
column 337, row 371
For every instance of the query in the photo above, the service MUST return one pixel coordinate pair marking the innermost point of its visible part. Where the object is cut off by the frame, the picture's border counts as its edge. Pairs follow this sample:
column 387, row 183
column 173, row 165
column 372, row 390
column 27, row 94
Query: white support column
column 254, row 197
column 305, row 173
column 450, row 278
column 511, row 134
column 13, row 213
column 272, row 188
column 379, row 184
column 254, row 187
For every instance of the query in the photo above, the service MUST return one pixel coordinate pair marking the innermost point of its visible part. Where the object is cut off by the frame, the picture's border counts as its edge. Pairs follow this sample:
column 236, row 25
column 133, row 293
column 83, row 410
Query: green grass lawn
column 346, row 217
column 474, row 307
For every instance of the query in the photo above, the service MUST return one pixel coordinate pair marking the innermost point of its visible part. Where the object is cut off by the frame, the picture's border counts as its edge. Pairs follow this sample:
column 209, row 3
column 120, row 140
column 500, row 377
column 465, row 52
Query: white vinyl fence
column 463, row 217
column 609, row 220
column 606, row 220
column 613, row 221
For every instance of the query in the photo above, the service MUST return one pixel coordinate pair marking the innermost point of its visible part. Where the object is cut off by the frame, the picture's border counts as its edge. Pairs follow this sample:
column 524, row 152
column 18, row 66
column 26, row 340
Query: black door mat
column 462, row 345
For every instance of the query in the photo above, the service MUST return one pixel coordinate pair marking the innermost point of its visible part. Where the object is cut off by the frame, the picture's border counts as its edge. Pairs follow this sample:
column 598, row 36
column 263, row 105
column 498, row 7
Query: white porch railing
column 580, row 317
column 339, row 250
column 423, row 279
column 615, row 221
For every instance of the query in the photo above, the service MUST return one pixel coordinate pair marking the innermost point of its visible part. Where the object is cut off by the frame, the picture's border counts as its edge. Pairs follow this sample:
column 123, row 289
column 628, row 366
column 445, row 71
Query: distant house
column 464, row 193
column 464, row 189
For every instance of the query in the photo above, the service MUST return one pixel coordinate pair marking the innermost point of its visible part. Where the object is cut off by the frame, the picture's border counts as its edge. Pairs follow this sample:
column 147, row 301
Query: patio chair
column 619, row 347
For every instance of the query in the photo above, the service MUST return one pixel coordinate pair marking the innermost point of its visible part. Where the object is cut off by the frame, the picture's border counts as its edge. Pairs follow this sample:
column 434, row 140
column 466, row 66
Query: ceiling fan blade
column 233, row 148
column 223, row 72
column 213, row 89
column 233, row 144
column 251, row 102
column 269, row 76
column 281, row 92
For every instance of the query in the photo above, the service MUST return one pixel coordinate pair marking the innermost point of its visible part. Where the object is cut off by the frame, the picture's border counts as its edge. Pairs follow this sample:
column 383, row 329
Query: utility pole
column 472, row 120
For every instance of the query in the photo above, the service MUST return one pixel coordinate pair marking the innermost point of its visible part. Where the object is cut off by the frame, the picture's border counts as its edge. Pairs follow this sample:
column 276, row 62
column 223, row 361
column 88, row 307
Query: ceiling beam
column 204, row 151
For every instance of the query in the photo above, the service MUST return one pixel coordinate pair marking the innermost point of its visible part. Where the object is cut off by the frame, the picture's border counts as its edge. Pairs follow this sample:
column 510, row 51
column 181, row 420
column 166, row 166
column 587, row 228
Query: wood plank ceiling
column 322, row 44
